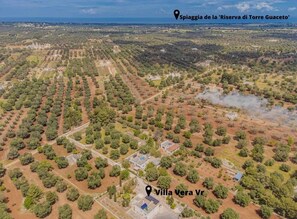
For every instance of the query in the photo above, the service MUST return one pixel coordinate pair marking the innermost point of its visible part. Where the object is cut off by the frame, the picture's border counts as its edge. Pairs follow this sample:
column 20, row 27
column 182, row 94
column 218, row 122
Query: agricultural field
column 80, row 105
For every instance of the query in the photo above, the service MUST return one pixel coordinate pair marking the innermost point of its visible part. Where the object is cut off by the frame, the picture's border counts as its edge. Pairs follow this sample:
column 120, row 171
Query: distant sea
column 137, row 20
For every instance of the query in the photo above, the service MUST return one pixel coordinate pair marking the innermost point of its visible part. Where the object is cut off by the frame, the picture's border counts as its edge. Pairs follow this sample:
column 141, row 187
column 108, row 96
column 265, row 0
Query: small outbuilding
column 238, row 176
column 169, row 146
column 140, row 161
column 72, row 158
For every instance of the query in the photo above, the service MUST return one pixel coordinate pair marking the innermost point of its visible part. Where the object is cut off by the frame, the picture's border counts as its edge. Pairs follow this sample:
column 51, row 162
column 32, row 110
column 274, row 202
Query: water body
column 254, row 106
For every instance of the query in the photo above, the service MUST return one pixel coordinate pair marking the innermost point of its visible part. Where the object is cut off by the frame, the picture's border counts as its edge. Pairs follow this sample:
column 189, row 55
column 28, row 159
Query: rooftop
column 169, row 146
column 72, row 158
column 147, row 204
column 139, row 159
column 166, row 144
column 173, row 148
column 152, row 199
column 238, row 176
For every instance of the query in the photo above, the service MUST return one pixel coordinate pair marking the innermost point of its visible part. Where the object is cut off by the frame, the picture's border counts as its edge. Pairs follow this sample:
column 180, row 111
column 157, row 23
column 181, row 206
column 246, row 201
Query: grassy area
column 33, row 58
column 261, row 85
column 271, row 78
column 48, row 75
column 83, row 139
column 103, row 70
column 120, row 128
column 15, row 55
column 275, row 168
column 228, row 154
column 157, row 82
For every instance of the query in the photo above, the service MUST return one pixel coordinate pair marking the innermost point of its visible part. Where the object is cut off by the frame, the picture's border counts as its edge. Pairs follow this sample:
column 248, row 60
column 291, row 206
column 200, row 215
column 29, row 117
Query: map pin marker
column 148, row 190
column 176, row 13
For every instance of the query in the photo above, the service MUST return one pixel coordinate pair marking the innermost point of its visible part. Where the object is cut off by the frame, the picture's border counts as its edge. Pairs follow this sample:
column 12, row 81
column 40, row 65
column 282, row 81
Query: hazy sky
column 142, row 8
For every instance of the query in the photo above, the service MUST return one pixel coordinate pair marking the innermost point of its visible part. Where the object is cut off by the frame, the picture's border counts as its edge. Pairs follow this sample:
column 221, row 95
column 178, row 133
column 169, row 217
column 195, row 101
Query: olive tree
column 101, row 214
column 221, row 191
column 65, row 212
column 85, row 202
column 43, row 209
column 229, row 213
column 164, row 182
column 72, row 194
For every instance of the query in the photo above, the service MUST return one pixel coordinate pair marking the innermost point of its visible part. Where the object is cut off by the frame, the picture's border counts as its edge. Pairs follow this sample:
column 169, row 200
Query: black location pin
column 176, row 13
column 148, row 190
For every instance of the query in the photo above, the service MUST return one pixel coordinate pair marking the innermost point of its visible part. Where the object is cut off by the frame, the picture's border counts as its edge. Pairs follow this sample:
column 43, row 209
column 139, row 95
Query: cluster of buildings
column 139, row 161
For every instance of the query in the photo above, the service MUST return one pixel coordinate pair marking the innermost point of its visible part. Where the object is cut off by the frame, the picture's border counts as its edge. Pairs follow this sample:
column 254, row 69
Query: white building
column 169, row 146
column 72, row 158
column 140, row 161
column 147, row 207
column 232, row 116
